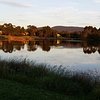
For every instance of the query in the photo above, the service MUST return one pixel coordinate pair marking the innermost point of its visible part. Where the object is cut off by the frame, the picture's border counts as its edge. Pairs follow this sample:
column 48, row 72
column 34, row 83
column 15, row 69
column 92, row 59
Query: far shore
column 16, row 38
column 32, row 38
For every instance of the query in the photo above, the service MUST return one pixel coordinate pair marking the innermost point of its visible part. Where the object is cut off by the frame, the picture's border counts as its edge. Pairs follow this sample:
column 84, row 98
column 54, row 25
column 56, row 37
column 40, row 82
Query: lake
column 72, row 54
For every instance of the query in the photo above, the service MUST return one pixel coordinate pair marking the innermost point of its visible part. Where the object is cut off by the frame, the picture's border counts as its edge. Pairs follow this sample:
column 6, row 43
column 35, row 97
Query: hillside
column 67, row 28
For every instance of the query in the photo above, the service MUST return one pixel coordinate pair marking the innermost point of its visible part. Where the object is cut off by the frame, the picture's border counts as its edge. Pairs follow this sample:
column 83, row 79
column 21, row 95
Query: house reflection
column 45, row 45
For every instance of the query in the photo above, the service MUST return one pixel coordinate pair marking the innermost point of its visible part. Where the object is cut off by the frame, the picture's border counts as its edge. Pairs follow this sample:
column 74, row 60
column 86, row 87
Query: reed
column 55, row 78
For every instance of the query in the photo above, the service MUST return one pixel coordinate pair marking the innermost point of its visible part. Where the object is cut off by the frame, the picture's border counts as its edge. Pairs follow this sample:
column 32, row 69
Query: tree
column 89, row 32
column 7, row 29
column 75, row 35
column 47, row 32
column 31, row 30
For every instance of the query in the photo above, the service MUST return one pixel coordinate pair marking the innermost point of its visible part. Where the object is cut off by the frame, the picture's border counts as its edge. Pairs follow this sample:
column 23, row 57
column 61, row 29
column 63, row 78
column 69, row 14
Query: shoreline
column 32, row 38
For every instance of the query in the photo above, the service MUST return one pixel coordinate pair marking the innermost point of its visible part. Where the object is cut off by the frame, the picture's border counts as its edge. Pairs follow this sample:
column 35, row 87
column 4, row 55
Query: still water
column 74, row 55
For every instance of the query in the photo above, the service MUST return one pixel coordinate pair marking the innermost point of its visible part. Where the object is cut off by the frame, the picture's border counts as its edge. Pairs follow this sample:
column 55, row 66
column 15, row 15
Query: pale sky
column 50, row 12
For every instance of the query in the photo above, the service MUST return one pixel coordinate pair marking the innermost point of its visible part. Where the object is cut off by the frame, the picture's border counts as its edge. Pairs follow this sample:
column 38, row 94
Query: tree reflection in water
column 89, row 48
column 11, row 46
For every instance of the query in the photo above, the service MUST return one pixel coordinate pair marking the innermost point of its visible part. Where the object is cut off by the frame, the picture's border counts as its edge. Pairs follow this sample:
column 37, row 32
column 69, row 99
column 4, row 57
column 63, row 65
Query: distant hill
column 67, row 28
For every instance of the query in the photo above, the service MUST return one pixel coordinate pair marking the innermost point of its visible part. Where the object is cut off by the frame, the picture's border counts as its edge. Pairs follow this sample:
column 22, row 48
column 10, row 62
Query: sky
column 50, row 12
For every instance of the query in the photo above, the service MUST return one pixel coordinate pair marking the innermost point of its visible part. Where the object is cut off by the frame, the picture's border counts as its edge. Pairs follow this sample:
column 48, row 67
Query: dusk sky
column 50, row 12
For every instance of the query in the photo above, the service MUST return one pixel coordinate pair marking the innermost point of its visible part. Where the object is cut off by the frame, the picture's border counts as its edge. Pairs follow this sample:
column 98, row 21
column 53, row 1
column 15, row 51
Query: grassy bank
column 12, row 90
column 16, row 38
column 42, row 77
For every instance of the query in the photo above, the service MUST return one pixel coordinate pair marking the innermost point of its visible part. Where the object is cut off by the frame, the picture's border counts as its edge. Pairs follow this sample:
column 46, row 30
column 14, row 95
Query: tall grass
column 50, row 78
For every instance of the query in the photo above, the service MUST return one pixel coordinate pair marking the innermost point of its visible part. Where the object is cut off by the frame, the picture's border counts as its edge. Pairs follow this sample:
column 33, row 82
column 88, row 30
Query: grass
column 28, row 77
column 10, row 90
column 16, row 38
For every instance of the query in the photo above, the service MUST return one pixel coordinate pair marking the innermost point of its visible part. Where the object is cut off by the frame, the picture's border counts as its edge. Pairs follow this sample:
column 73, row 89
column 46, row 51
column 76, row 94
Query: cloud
column 72, row 16
column 15, row 3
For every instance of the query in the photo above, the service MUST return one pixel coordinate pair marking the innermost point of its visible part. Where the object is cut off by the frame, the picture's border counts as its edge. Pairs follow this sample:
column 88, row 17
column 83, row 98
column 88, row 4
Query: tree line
column 31, row 30
column 89, row 32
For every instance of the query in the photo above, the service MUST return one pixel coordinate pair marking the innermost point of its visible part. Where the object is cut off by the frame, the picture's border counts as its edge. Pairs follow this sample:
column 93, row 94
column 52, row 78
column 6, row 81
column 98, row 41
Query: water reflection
column 90, row 48
column 11, row 46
